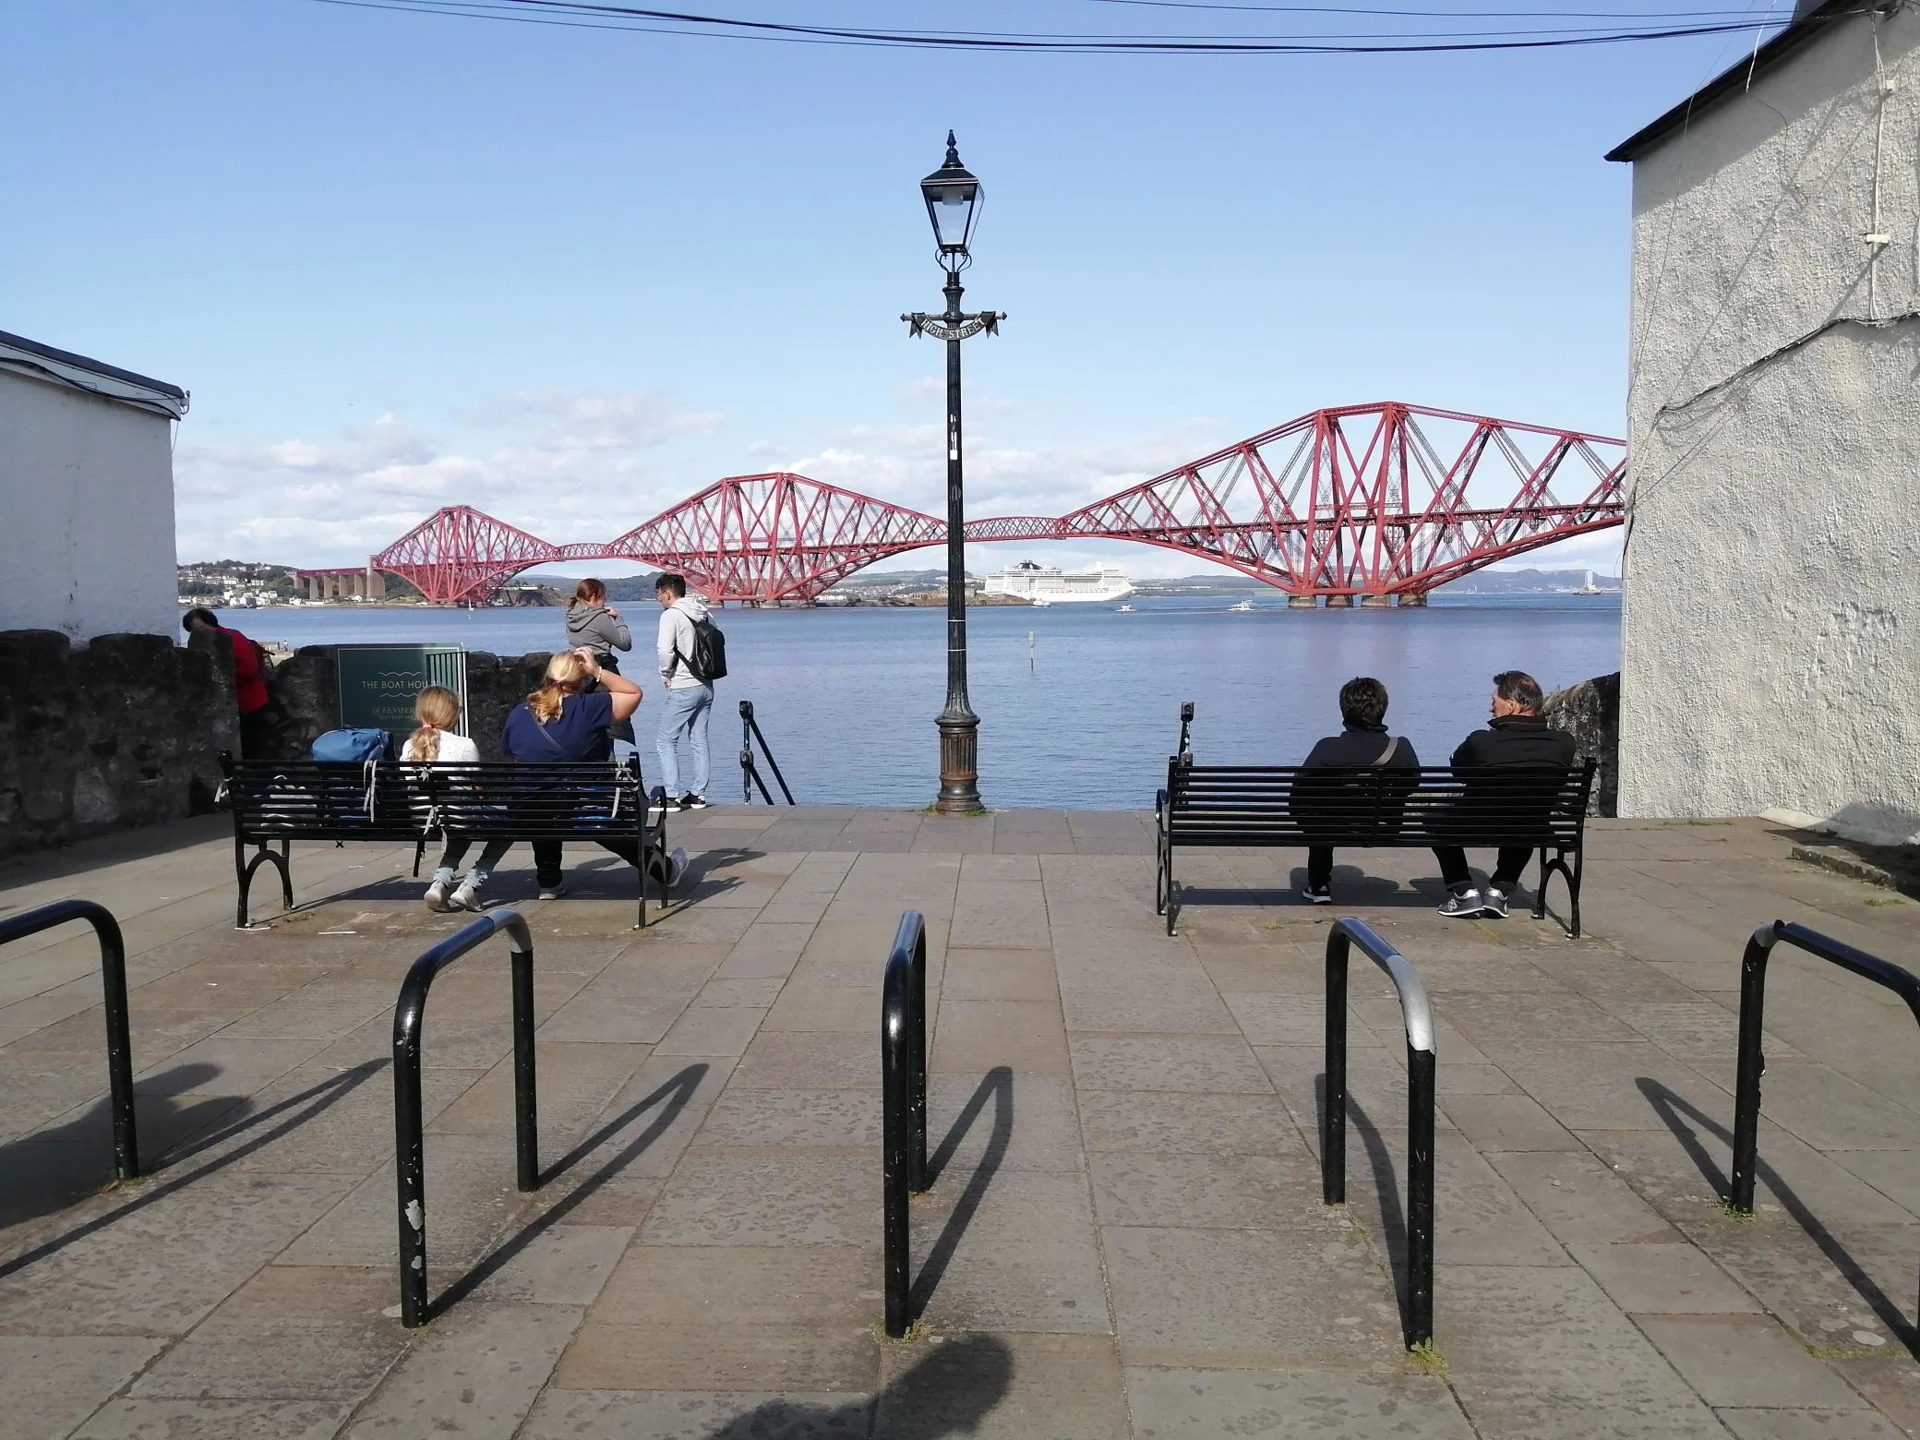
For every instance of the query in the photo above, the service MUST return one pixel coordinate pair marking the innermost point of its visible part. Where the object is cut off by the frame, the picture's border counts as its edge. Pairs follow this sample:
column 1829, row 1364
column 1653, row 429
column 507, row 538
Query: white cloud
column 578, row 469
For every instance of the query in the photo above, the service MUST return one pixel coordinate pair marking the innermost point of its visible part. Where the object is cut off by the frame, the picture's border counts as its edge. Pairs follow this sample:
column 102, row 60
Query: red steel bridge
column 1375, row 502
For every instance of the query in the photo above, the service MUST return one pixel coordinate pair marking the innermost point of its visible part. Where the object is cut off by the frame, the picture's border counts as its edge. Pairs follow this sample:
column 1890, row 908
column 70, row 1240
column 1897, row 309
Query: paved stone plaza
column 1126, row 1236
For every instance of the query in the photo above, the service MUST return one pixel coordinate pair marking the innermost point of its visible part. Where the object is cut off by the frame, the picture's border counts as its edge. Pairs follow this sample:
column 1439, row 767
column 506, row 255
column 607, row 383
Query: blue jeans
column 688, row 710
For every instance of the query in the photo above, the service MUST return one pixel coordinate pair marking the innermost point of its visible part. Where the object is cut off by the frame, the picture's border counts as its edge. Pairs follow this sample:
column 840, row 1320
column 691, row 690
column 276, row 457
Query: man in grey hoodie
column 689, row 699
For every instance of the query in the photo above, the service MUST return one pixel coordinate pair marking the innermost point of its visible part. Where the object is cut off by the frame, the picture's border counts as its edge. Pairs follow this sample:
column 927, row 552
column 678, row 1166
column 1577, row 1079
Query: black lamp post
column 953, row 199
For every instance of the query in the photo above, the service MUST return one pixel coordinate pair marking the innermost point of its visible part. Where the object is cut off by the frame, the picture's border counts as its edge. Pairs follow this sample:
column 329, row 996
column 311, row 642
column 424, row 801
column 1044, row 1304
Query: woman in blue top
column 565, row 720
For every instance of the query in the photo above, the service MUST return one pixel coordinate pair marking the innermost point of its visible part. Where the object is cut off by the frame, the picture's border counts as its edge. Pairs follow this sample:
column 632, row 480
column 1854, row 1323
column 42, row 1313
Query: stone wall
column 124, row 732
column 1590, row 712
column 304, row 686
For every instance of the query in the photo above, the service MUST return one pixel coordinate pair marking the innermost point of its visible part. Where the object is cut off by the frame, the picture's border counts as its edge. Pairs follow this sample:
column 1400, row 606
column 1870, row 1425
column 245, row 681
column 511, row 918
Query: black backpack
column 708, row 662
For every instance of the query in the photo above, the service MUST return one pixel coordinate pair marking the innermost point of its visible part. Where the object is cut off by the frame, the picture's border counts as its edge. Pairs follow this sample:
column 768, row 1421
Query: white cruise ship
column 1044, row 585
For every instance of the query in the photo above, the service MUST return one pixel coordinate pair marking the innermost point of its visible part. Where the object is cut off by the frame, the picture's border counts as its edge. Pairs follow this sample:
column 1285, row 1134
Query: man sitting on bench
column 1515, row 736
column 1364, row 744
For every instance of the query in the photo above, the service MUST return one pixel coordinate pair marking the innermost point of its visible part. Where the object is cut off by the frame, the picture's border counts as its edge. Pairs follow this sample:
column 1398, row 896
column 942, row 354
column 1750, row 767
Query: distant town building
column 86, row 494
column 1771, row 630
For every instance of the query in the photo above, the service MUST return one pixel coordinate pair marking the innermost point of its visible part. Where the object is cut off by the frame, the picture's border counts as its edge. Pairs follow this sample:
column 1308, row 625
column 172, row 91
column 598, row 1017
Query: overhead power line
column 586, row 14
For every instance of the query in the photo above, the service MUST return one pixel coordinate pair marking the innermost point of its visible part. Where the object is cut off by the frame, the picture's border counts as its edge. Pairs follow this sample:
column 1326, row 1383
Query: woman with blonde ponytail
column 438, row 741
column 568, row 719
column 438, row 711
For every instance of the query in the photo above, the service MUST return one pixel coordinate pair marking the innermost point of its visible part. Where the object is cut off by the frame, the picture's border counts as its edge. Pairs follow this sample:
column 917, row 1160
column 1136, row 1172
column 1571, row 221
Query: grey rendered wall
column 86, row 504
column 1771, row 639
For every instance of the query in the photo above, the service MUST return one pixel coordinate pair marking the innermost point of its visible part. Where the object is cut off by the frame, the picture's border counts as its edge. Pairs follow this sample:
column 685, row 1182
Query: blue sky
column 567, row 276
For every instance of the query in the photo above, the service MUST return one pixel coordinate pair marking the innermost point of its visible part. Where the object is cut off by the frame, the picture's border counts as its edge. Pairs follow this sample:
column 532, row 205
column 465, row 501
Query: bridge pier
column 1301, row 602
column 1339, row 602
column 1375, row 602
column 1416, row 600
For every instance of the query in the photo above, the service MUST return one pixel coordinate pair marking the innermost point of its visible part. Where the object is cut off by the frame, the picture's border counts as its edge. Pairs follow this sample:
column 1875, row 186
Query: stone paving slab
column 1125, row 1236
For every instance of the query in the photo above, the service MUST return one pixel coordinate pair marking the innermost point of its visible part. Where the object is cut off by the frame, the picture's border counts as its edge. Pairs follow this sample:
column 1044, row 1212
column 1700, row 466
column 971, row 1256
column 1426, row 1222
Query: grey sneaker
column 436, row 896
column 693, row 802
column 1462, row 905
column 553, row 891
column 1322, row 896
column 1494, row 907
column 467, row 897
column 676, row 867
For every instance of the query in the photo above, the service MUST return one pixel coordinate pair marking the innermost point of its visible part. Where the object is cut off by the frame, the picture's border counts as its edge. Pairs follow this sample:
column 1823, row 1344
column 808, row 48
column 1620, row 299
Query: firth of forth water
column 1078, row 704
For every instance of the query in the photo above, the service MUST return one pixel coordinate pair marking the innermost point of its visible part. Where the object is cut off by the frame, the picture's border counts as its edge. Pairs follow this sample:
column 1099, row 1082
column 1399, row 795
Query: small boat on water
column 1243, row 605
column 1039, row 604
column 1124, row 609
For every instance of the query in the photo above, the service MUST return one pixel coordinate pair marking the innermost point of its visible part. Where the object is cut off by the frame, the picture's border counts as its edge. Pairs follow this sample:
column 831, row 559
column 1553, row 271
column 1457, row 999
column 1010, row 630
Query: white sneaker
column 1316, row 897
column 467, row 897
column 436, row 896
column 553, row 891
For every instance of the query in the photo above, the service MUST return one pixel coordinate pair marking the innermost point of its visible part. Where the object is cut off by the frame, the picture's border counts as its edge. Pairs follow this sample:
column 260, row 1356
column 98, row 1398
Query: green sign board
column 376, row 684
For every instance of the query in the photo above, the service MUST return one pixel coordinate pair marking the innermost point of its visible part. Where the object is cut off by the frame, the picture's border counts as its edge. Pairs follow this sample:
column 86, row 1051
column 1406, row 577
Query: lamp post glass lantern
column 952, row 194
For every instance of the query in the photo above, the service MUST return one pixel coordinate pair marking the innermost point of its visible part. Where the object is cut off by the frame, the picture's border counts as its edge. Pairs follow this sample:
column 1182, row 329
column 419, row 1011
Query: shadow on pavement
column 1670, row 1107
column 1393, row 1218
column 289, row 1114
column 997, row 1086
column 949, row 1391
column 671, row 1097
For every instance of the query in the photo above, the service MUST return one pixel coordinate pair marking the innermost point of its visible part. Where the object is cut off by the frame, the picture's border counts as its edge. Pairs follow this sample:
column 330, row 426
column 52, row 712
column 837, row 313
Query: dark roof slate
column 1809, row 22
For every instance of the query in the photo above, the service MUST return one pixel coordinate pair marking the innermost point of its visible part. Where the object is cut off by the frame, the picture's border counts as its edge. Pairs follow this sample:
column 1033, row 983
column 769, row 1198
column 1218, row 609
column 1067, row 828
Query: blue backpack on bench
column 352, row 747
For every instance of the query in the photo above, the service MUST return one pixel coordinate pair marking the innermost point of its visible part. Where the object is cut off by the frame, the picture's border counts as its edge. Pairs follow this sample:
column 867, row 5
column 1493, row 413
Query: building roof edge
column 96, row 377
column 1815, row 22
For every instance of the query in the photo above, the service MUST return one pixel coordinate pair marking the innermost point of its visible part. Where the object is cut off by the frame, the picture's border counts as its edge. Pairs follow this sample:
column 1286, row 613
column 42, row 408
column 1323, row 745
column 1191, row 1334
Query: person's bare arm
column 622, row 691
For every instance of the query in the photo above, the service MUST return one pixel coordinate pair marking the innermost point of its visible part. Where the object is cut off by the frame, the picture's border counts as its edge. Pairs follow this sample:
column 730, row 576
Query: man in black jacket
column 1363, row 745
column 1516, row 736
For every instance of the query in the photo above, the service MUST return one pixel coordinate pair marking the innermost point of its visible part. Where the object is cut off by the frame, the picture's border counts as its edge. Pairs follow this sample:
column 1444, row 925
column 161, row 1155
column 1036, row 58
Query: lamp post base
column 959, row 766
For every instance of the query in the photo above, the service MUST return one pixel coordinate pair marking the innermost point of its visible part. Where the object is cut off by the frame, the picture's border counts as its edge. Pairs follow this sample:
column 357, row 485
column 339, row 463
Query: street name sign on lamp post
column 952, row 195
column 375, row 685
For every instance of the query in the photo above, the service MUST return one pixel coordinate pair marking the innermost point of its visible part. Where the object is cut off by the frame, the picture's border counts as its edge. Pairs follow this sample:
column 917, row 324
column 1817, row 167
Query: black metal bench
column 276, row 802
column 1289, row 806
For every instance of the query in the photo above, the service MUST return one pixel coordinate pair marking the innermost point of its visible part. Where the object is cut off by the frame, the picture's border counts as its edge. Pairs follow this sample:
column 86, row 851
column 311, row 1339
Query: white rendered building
column 1771, row 634
column 86, row 495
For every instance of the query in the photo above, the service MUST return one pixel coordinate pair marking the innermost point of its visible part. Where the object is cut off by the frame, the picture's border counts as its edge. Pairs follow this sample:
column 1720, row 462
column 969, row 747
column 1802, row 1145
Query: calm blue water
column 1086, row 714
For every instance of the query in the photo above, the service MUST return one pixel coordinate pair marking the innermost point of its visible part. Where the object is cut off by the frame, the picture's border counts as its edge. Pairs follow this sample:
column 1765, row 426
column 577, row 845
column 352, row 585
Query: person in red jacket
column 249, row 681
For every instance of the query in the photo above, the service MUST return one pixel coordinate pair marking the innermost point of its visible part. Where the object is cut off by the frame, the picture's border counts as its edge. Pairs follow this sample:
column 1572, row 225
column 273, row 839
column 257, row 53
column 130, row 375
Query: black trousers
column 1507, row 872
column 256, row 733
column 546, row 858
column 1319, row 867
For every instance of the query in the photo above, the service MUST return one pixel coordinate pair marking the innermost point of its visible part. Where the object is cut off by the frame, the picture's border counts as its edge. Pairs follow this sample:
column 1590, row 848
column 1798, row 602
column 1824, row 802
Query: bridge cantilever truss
column 1365, row 501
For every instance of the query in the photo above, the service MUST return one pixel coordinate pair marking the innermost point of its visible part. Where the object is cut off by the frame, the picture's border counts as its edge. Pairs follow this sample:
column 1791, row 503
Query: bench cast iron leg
column 243, row 876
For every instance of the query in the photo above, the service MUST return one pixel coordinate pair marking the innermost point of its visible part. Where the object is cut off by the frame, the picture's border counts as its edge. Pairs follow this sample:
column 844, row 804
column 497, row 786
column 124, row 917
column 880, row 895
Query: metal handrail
column 749, row 775
column 1752, row 1064
column 903, row 1076
column 1416, row 1013
column 113, row 979
column 410, row 1141
column 1185, row 752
